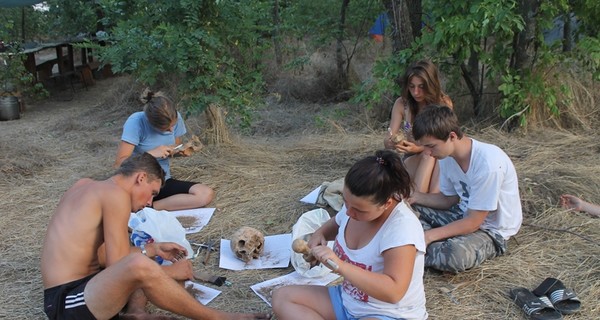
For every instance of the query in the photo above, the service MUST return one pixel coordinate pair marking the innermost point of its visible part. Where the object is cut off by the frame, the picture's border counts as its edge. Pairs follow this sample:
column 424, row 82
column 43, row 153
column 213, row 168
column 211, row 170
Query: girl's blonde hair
column 428, row 72
column 159, row 109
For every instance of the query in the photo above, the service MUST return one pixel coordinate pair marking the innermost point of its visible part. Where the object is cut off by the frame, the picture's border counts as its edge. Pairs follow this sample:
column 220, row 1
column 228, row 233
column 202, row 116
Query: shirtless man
column 92, row 213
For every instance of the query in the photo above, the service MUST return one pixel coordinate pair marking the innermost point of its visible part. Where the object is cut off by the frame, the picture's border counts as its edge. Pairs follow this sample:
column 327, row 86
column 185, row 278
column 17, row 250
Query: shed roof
column 18, row 3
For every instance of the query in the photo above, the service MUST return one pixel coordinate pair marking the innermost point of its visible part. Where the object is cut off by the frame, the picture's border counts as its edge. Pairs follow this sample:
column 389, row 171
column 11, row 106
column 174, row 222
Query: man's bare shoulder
column 100, row 192
column 97, row 185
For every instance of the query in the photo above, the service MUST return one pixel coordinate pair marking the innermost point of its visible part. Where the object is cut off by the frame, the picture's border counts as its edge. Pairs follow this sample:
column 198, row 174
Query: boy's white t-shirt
column 490, row 184
column 401, row 228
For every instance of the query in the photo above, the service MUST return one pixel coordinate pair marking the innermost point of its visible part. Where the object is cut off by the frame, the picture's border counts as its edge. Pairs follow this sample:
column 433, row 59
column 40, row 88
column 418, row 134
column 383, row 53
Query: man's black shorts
column 66, row 301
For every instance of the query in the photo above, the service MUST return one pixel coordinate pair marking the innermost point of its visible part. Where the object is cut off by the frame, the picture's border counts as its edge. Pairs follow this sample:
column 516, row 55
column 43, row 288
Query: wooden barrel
column 9, row 108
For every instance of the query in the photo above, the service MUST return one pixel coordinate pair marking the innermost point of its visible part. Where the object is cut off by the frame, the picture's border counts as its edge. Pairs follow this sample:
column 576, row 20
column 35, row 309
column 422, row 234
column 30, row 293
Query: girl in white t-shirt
column 379, row 250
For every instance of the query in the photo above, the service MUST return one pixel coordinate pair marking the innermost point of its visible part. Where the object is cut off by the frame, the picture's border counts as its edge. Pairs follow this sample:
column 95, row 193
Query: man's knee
column 140, row 266
column 459, row 254
column 451, row 256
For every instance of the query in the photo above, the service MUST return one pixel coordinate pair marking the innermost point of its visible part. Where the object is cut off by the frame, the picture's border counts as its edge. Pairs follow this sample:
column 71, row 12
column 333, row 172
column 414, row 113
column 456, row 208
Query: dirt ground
column 259, row 178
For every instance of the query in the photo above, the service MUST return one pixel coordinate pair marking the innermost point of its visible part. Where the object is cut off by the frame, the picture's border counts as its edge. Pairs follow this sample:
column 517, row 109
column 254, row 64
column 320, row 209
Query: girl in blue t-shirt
column 157, row 130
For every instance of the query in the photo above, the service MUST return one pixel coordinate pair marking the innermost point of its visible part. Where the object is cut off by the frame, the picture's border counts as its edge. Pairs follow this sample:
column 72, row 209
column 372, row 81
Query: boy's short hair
column 436, row 121
column 142, row 162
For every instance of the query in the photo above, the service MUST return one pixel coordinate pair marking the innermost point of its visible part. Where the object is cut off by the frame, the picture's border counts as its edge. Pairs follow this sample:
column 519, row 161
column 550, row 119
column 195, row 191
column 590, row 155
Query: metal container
column 9, row 108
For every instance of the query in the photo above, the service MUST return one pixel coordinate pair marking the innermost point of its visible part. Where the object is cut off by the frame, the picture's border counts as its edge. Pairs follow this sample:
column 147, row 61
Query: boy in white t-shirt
column 479, row 207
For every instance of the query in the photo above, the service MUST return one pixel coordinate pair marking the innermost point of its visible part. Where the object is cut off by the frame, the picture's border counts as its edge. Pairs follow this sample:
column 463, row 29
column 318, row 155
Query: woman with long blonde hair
column 420, row 88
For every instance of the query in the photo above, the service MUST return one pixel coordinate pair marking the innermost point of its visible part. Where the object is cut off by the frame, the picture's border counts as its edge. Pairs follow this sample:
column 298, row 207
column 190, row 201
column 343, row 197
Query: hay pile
column 259, row 180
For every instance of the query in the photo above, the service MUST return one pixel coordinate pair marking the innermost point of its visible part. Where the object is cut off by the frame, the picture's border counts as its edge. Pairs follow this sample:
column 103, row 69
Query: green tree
column 495, row 44
column 320, row 23
column 210, row 50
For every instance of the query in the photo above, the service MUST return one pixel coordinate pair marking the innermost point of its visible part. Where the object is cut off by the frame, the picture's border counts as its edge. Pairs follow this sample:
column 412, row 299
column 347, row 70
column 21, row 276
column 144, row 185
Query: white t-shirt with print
column 490, row 184
column 401, row 228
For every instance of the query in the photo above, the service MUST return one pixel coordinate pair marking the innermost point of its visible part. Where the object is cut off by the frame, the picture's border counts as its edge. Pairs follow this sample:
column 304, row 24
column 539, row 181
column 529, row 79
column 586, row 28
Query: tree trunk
column 471, row 75
column 524, row 41
column 568, row 33
column 340, row 57
column 415, row 11
column 23, row 24
column 276, row 39
column 399, row 17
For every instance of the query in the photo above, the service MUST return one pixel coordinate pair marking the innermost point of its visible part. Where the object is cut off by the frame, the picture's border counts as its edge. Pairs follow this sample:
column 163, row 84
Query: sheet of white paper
column 265, row 289
column 202, row 216
column 312, row 196
column 202, row 293
column 277, row 254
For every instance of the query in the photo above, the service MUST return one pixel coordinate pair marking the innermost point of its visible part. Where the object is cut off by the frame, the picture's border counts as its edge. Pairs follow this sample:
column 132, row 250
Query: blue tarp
column 379, row 26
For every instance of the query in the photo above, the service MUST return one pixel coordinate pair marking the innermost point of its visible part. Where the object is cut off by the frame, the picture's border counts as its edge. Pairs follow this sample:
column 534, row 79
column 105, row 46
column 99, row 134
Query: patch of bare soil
column 261, row 176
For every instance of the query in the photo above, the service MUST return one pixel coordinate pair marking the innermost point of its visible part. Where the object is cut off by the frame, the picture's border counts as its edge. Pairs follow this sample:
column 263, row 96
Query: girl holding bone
column 379, row 249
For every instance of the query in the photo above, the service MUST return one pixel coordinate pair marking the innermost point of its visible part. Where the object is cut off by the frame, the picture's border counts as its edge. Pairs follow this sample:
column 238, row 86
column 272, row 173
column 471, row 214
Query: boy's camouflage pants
column 458, row 253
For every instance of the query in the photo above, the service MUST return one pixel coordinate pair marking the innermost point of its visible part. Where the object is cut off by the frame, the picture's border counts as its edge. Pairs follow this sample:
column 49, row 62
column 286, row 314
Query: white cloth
column 331, row 194
column 490, row 184
column 401, row 228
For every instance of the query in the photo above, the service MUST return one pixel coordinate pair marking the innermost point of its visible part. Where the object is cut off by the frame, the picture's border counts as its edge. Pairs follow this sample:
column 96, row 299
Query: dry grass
column 259, row 180
column 575, row 101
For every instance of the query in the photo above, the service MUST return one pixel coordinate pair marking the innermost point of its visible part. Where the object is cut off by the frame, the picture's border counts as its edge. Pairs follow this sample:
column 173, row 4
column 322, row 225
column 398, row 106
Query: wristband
column 334, row 266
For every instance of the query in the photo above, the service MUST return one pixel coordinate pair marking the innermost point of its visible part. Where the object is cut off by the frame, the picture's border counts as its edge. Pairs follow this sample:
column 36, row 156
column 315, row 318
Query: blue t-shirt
column 138, row 131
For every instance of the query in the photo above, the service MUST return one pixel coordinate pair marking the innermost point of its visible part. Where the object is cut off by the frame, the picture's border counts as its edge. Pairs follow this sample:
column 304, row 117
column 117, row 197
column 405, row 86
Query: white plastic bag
column 306, row 225
column 161, row 226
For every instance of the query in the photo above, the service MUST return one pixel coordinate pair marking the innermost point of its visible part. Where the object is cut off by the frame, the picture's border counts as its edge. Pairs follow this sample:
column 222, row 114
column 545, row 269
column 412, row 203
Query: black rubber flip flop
column 564, row 300
column 536, row 308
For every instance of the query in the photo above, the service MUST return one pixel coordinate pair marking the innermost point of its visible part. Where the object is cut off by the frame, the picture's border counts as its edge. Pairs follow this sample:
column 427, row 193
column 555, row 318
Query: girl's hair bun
column 146, row 95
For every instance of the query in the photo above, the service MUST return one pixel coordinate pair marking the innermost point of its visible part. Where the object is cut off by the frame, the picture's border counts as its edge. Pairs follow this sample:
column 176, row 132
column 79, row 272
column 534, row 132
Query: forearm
column 434, row 200
column 591, row 208
column 377, row 285
column 467, row 225
column 396, row 118
column 124, row 151
column 119, row 160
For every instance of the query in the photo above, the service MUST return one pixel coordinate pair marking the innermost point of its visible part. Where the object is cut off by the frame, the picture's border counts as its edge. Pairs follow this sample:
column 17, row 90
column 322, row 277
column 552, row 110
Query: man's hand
column 169, row 251
column 428, row 238
column 415, row 198
column 180, row 270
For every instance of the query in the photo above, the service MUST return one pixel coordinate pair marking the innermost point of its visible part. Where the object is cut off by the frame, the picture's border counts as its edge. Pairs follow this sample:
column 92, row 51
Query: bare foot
column 144, row 316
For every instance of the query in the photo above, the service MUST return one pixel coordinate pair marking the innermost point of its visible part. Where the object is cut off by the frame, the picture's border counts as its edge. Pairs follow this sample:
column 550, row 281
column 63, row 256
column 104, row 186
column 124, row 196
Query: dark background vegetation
column 300, row 93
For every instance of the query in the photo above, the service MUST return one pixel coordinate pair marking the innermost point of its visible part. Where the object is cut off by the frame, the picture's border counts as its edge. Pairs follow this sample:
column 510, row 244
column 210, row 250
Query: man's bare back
column 96, row 213
column 76, row 230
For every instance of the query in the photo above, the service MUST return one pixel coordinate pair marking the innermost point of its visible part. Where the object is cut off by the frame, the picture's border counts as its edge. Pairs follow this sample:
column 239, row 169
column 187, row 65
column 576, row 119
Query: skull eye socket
column 242, row 243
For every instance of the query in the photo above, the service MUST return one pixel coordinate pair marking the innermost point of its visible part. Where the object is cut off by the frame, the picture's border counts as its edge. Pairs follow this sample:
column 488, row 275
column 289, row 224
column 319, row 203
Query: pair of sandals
column 549, row 301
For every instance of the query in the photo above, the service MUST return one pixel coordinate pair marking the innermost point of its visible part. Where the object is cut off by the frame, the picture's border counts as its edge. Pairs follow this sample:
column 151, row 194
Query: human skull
column 247, row 243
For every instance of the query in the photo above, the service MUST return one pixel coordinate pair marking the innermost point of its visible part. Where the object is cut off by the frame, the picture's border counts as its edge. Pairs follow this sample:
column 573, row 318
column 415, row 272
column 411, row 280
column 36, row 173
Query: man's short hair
column 436, row 121
column 142, row 162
